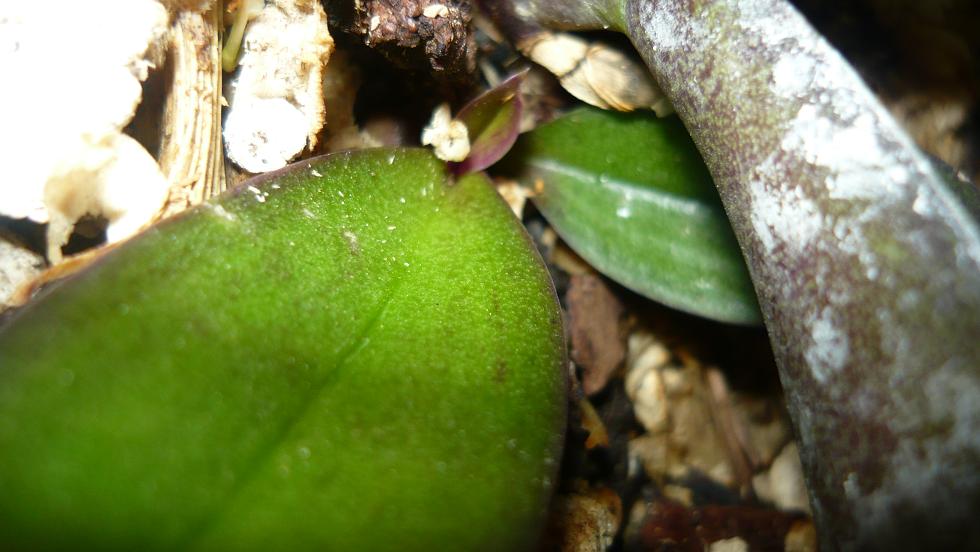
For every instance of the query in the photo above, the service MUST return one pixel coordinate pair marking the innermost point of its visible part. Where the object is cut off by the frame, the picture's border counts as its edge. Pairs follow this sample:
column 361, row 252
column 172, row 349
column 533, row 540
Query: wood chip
column 17, row 266
column 584, row 521
column 191, row 155
column 598, row 73
column 672, row 526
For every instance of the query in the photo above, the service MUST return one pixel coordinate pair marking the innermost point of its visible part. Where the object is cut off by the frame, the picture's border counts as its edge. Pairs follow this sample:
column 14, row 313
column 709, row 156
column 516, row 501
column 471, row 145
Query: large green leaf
column 630, row 193
column 369, row 359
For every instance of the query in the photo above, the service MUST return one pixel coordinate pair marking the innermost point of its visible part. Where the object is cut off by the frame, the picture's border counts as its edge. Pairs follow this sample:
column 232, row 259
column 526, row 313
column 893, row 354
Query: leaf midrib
column 200, row 530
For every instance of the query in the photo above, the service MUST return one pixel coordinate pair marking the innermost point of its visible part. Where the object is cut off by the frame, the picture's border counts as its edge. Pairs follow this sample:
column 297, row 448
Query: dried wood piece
column 596, row 72
column 277, row 106
column 68, row 266
column 191, row 156
column 17, row 265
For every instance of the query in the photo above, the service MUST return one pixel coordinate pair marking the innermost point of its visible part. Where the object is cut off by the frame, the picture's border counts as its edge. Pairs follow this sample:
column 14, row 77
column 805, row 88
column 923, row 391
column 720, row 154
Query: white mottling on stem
column 792, row 219
column 663, row 24
column 771, row 26
column 829, row 349
column 792, row 75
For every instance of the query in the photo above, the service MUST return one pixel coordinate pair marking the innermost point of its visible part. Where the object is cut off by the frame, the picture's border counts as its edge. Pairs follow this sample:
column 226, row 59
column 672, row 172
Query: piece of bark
column 584, row 521
column 433, row 37
column 672, row 526
column 191, row 155
column 17, row 265
column 598, row 344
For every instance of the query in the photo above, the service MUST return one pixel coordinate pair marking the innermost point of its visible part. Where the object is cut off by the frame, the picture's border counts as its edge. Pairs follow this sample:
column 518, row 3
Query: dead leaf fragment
column 592, row 423
column 598, row 343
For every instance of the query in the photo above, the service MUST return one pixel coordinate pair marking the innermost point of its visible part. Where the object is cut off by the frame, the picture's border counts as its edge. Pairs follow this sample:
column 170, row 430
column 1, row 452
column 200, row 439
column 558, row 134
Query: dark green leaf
column 630, row 193
column 367, row 360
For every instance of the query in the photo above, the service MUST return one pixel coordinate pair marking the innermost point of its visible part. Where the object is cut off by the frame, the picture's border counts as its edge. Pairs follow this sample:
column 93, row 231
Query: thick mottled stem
column 866, row 263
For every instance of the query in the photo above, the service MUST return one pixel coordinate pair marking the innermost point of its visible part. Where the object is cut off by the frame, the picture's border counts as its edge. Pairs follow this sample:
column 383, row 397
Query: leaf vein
column 262, row 457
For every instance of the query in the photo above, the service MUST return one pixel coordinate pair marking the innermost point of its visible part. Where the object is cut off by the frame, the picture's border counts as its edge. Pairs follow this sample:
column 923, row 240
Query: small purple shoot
column 493, row 120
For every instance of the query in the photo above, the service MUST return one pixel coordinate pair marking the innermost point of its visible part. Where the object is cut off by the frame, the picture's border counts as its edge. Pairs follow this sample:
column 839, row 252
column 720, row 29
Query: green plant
column 865, row 259
column 356, row 352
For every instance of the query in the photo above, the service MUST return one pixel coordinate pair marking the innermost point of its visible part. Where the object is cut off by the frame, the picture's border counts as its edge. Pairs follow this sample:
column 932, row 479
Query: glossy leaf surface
column 630, row 193
column 370, row 359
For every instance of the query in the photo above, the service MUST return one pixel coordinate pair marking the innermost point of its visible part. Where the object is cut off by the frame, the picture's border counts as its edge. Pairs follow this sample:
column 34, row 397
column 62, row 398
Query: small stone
column 676, row 382
column 646, row 389
column 433, row 11
column 514, row 194
column 677, row 493
column 801, row 537
column 449, row 137
column 733, row 544
column 654, row 452
column 783, row 483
